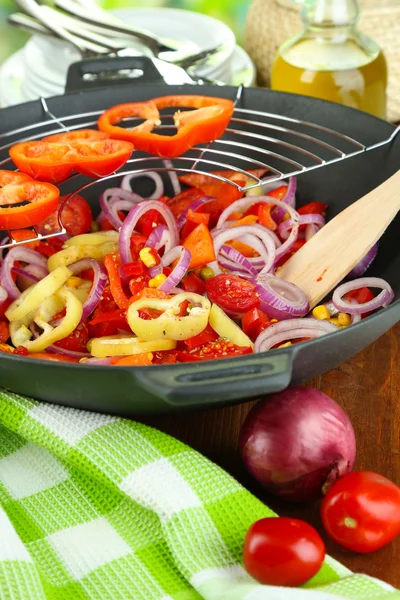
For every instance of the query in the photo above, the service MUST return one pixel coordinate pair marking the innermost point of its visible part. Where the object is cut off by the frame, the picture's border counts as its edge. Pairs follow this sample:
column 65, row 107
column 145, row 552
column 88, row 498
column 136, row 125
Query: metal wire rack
column 281, row 146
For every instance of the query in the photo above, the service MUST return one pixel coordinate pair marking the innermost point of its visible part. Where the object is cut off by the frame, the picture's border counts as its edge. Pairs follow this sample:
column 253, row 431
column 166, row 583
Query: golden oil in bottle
column 331, row 60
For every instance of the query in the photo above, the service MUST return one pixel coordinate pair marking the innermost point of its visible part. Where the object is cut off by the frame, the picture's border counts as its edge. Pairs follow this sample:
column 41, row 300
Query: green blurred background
column 232, row 12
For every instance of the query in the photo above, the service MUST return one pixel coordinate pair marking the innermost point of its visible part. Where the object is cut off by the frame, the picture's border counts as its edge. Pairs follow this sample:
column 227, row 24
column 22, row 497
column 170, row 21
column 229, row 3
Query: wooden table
column 368, row 388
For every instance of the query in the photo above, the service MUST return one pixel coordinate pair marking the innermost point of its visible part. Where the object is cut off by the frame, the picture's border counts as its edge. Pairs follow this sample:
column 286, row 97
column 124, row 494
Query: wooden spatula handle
column 322, row 263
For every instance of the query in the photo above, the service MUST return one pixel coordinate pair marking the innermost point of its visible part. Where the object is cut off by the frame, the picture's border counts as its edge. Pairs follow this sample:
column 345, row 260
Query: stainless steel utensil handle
column 109, row 22
column 45, row 16
column 29, row 24
column 190, row 383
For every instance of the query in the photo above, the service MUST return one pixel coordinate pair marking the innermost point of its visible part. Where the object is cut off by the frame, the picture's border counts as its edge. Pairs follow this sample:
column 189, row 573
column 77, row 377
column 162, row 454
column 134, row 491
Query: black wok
column 166, row 388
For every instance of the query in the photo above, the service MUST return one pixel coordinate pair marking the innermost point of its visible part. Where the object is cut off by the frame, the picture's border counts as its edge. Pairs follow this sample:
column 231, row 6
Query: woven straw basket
column 271, row 22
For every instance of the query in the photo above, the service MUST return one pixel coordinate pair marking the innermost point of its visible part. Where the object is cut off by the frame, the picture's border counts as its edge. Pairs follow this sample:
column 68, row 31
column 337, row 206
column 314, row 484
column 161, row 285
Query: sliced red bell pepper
column 296, row 246
column 108, row 323
column 179, row 203
column 204, row 124
column 197, row 180
column 112, row 263
column 139, row 283
column 133, row 269
column 42, row 199
column 136, row 360
column 208, row 335
column 254, row 322
column 201, row 246
column 4, row 332
column 54, row 162
column 192, row 220
column 313, row 208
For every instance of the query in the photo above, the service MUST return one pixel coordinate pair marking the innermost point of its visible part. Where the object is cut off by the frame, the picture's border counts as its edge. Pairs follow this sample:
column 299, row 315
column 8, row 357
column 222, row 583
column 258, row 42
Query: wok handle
column 102, row 72
column 222, row 380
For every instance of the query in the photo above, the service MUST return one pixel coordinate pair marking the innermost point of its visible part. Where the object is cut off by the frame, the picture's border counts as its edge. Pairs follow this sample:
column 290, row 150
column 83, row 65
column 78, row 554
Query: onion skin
column 297, row 443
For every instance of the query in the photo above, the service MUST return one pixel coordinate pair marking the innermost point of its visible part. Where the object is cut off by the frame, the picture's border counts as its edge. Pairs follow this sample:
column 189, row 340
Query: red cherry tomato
column 232, row 293
column 192, row 283
column 283, row 551
column 77, row 340
column 214, row 350
column 76, row 217
column 361, row 511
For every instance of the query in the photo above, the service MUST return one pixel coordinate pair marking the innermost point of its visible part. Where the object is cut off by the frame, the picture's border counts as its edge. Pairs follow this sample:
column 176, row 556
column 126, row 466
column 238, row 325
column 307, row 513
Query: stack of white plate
column 40, row 68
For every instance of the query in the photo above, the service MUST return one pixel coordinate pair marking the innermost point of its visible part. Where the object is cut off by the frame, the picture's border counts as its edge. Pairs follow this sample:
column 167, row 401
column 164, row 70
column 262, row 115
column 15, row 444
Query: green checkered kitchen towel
column 93, row 506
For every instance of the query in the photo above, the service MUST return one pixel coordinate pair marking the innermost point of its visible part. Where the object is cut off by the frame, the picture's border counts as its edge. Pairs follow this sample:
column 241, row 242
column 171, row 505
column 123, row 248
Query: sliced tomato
column 77, row 340
column 206, row 336
column 42, row 199
column 178, row 204
column 313, row 208
column 214, row 350
column 139, row 283
column 193, row 283
column 4, row 332
column 232, row 293
column 254, row 322
column 76, row 216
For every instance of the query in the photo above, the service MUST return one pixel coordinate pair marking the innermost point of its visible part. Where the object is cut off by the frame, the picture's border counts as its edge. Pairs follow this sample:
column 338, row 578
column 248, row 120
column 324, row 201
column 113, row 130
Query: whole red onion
column 297, row 443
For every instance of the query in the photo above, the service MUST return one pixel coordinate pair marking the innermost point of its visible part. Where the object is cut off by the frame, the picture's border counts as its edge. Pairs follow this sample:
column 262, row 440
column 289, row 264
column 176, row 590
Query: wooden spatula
column 322, row 263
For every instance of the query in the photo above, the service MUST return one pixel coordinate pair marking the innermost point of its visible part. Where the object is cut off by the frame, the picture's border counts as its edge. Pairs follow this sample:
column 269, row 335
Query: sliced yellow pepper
column 168, row 325
column 93, row 239
column 21, row 335
column 121, row 345
column 38, row 293
column 73, row 253
column 226, row 328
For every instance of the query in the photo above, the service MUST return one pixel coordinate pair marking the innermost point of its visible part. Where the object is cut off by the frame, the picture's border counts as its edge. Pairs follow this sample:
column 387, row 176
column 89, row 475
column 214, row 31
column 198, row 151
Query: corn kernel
column 146, row 255
column 344, row 319
column 335, row 321
column 157, row 280
column 321, row 313
column 74, row 282
column 285, row 345
column 274, row 320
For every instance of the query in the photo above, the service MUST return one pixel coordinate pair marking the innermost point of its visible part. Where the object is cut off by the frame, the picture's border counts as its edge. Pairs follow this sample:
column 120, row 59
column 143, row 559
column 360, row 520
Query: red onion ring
column 158, row 182
column 99, row 283
column 134, row 215
column 3, row 295
column 304, row 220
column 28, row 275
column 381, row 301
column 176, row 186
column 291, row 330
column 181, row 220
column 99, row 361
column 243, row 204
column 238, row 259
column 179, row 270
column 159, row 237
column 364, row 263
column 280, row 299
column 65, row 352
column 22, row 254
column 115, row 199
column 266, row 250
column 310, row 231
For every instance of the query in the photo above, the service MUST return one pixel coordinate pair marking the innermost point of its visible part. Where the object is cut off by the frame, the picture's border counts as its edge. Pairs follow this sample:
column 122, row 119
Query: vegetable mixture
column 184, row 278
